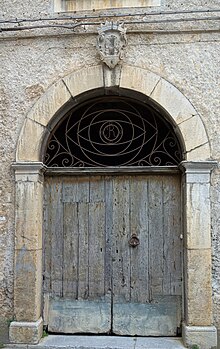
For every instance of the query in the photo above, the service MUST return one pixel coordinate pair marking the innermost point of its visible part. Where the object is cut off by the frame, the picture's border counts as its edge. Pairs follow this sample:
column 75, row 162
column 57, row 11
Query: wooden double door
column 113, row 254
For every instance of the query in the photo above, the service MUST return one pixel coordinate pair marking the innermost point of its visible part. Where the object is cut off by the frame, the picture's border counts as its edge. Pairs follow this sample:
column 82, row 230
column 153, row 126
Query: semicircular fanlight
column 113, row 131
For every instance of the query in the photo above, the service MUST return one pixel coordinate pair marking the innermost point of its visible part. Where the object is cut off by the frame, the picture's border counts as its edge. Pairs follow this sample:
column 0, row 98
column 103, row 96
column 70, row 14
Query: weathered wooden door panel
column 75, row 244
column 146, row 278
column 96, row 281
column 165, row 244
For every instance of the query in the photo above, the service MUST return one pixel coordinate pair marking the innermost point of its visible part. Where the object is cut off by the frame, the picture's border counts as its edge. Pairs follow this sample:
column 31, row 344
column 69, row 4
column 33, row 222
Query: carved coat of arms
column 111, row 43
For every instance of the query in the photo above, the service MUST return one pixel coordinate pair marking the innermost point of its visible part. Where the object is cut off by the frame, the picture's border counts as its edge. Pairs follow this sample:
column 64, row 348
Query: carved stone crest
column 111, row 43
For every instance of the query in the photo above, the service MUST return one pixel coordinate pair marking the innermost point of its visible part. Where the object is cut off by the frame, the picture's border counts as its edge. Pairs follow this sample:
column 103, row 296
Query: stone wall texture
column 187, row 54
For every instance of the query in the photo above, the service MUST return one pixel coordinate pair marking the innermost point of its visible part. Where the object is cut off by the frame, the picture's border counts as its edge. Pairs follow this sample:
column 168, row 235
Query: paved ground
column 103, row 342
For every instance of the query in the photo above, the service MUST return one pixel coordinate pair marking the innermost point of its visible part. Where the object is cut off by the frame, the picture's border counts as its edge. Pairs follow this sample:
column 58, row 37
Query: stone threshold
column 101, row 342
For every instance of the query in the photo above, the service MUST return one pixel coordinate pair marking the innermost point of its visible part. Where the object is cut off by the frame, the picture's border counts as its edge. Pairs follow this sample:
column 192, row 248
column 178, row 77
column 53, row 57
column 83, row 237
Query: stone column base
column 26, row 332
column 205, row 337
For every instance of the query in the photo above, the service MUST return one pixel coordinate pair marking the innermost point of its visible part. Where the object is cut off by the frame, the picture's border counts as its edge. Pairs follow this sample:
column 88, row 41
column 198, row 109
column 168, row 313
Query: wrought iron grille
column 113, row 131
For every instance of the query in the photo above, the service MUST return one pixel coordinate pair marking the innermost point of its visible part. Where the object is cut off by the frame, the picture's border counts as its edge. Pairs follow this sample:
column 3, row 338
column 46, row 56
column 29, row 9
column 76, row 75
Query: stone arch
column 181, row 111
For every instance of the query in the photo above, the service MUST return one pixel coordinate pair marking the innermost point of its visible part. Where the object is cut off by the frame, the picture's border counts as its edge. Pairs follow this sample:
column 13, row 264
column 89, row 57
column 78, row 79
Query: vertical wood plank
column 47, row 238
column 109, row 233
column 121, row 234
column 96, row 240
column 76, row 237
column 75, row 189
column 82, row 189
column 83, row 272
column 156, row 238
column 70, row 190
column 97, row 189
column 71, row 247
column 56, row 226
column 139, row 226
column 172, row 284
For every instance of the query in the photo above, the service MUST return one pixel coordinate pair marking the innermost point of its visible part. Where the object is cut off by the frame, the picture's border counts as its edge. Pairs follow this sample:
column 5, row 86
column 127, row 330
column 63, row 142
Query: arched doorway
column 113, row 236
column 29, row 177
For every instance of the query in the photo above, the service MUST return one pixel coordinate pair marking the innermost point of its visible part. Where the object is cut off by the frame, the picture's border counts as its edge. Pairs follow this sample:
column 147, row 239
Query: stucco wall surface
column 31, row 61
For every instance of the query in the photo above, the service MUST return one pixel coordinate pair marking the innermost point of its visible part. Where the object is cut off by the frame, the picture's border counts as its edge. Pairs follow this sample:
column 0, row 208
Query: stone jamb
column 197, row 326
column 28, row 324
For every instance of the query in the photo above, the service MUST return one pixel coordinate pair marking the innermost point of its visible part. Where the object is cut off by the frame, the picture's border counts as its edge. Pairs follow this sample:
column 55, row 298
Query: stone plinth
column 203, row 337
column 26, row 332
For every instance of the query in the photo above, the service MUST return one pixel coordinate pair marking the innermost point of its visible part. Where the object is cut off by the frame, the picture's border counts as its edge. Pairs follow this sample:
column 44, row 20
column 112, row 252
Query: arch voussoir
column 30, row 141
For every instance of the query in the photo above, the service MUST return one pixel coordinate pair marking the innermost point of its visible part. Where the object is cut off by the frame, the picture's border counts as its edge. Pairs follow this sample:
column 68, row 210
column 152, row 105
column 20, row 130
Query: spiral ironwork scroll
column 113, row 131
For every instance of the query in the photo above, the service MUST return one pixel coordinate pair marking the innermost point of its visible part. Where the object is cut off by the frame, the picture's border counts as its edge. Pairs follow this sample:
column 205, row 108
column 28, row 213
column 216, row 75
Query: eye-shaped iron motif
column 113, row 132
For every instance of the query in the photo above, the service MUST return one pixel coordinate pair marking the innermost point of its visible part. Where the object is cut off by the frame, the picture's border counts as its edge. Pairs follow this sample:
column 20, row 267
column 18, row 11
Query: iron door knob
column 134, row 241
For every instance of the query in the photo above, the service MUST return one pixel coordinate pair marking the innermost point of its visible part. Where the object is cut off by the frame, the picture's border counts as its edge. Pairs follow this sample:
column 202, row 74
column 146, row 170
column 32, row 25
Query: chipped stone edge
column 20, row 331
column 205, row 337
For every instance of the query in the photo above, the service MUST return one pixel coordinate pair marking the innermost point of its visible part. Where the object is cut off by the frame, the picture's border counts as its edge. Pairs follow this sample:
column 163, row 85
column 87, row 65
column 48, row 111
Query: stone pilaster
column 28, row 324
column 197, row 328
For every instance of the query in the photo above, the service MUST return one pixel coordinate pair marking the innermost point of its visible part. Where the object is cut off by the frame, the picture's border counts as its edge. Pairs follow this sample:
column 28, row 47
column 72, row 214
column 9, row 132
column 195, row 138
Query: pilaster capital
column 29, row 171
column 198, row 166
column 197, row 171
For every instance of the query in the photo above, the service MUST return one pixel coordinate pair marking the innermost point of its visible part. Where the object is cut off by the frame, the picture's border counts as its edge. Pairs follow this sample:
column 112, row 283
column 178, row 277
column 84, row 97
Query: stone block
column 28, row 229
column 29, row 144
column 198, row 298
column 84, row 80
column 173, row 101
column 203, row 337
column 29, row 215
column 196, row 177
column 111, row 76
column 200, row 153
column 29, row 196
column 197, row 212
column 27, row 285
column 51, row 101
column 193, row 132
column 138, row 79
column 26, row 332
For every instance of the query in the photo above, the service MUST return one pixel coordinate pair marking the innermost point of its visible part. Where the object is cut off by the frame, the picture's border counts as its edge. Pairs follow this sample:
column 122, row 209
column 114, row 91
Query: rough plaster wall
column 8, row 132
column 28, row 66
column 215, row 197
